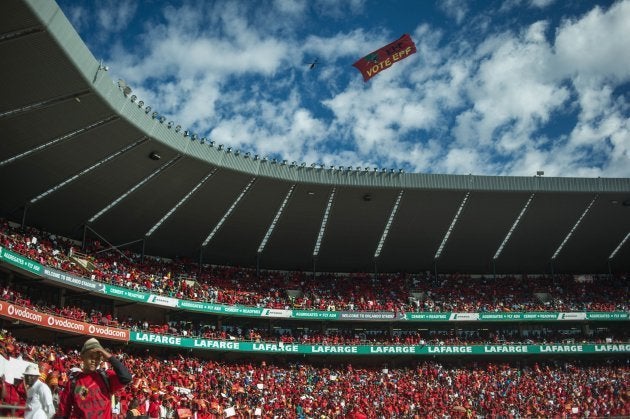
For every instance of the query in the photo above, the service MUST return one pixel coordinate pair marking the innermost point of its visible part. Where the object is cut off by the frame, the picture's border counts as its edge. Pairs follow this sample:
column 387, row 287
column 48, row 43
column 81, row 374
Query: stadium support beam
column 515, row 224
column 575, row 226
column 229, row 211
column 618, row 248
column 134, row 188
column 322, row 226
column 44, row 103
column 87, row 170
column 64, row 137
column 180, row 203
column 274, row 222
column 20, row 33
column 451, row 227
column 388, row 225
column 87, row 227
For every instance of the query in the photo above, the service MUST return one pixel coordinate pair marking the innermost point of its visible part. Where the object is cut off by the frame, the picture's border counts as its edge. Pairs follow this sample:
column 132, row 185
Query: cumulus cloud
column 510, row 99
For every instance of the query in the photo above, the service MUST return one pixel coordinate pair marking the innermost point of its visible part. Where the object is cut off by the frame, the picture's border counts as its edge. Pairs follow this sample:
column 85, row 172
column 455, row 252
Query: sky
column 496, row 87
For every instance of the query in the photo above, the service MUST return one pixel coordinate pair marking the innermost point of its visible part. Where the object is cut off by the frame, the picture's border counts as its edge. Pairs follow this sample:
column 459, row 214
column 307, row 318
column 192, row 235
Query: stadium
column 232, row 284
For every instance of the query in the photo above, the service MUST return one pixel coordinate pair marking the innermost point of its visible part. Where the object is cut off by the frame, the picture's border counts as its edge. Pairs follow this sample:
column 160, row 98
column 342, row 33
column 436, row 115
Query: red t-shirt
column 90, row 398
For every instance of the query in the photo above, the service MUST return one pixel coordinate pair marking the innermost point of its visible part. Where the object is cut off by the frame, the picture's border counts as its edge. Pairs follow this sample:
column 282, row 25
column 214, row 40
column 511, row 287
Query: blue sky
column 504, row 87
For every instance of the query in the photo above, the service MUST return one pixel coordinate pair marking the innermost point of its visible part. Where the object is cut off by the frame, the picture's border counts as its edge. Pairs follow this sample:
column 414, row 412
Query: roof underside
column 69, row 159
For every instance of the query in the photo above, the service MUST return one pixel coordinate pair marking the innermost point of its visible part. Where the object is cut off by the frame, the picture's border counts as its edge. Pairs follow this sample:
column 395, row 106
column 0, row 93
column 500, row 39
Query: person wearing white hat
column 39, row 400
column 88, row 393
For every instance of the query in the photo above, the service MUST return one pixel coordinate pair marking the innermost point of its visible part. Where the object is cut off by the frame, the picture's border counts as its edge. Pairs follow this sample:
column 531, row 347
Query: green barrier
column 243, row 311
column 20, row 261
column 236, row 346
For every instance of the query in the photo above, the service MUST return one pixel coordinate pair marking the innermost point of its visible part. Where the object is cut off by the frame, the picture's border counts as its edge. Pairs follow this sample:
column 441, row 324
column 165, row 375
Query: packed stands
column 297, row 389
column 333, row 292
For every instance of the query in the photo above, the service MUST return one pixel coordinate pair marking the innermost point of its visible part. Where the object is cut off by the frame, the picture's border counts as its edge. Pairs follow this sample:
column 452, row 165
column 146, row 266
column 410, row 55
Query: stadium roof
column 78, row 149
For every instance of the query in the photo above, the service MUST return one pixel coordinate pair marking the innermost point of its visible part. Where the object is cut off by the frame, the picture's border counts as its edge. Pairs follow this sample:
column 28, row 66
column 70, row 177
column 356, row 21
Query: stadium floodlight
column 140, row 103
column 133, row 98
column 147, row 109
column 186, row 133
column 274, row 161
column 220, row 147
column 255, row 156
column 203, row 140
column 313, row 165
column 284, row 162
column 170, row 124
column 246, row 155
column 178, row 128
column 211, row 143
column 228, row 150
column 154, row 115
column 293, row 163
column 162, row 119
column 302, row 164
column 194, row 137
column 237, row 152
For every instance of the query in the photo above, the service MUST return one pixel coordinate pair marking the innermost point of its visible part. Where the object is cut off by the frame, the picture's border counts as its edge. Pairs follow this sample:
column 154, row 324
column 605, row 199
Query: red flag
column 383, row 58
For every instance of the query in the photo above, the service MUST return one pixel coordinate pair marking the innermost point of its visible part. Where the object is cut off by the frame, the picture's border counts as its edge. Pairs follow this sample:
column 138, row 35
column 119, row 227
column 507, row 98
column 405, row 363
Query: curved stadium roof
column 77, row 151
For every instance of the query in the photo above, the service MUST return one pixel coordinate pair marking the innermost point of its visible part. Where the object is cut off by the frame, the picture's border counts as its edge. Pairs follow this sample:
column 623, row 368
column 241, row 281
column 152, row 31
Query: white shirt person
column 39, row 401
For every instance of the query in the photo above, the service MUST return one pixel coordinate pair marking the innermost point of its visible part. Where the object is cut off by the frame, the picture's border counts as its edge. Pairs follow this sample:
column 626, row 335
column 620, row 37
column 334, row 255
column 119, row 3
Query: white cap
column 32, row 369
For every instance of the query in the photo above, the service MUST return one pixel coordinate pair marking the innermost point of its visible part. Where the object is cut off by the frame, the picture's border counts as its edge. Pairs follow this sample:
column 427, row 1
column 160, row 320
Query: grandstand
column 229, row 281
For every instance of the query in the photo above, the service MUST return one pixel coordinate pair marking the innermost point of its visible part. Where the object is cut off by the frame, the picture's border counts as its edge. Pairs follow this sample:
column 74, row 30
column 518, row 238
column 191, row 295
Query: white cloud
column 455, row 9
column 541, row 4
column 457, row 106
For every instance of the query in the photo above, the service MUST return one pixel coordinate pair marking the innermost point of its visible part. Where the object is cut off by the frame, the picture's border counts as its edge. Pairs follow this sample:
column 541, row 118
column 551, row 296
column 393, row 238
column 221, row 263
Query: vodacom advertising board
column 16, row 312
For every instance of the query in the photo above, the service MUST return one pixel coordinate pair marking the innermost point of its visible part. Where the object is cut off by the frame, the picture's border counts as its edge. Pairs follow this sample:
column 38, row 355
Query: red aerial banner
column 383, row 58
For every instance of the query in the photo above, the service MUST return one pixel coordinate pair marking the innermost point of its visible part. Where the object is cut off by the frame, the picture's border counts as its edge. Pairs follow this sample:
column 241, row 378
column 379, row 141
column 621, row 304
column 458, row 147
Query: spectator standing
column 89, row 393
column 39, row 401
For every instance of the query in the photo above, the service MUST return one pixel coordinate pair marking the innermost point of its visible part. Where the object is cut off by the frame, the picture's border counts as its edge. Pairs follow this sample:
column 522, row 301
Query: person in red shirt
column 154, row 406
column 89, row 393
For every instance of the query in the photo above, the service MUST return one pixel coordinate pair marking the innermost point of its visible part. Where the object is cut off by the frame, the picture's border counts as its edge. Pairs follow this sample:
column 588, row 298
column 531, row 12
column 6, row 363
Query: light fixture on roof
column 178, row 128
column 123, row 86
column 170, row 124
column 133, row 98
column 220, row 147
column 186, row 133
column 211, row 143
column 540, row 173
column 203, row 140
column 147, row 109
column 140, row 103
column 255, row 157
column 162, row 119
column 246, row 155
column 194, row 137
column 302, row 164
column 274, row 161
column 237, row 152
column 228, row 150
column 313, row 165
column 154, row 115
column 284, row 162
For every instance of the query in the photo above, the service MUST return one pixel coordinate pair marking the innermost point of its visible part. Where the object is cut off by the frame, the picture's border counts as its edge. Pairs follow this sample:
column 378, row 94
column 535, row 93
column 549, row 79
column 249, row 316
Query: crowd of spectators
column 396, row 293
column 256, row 388
column 515, row 334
